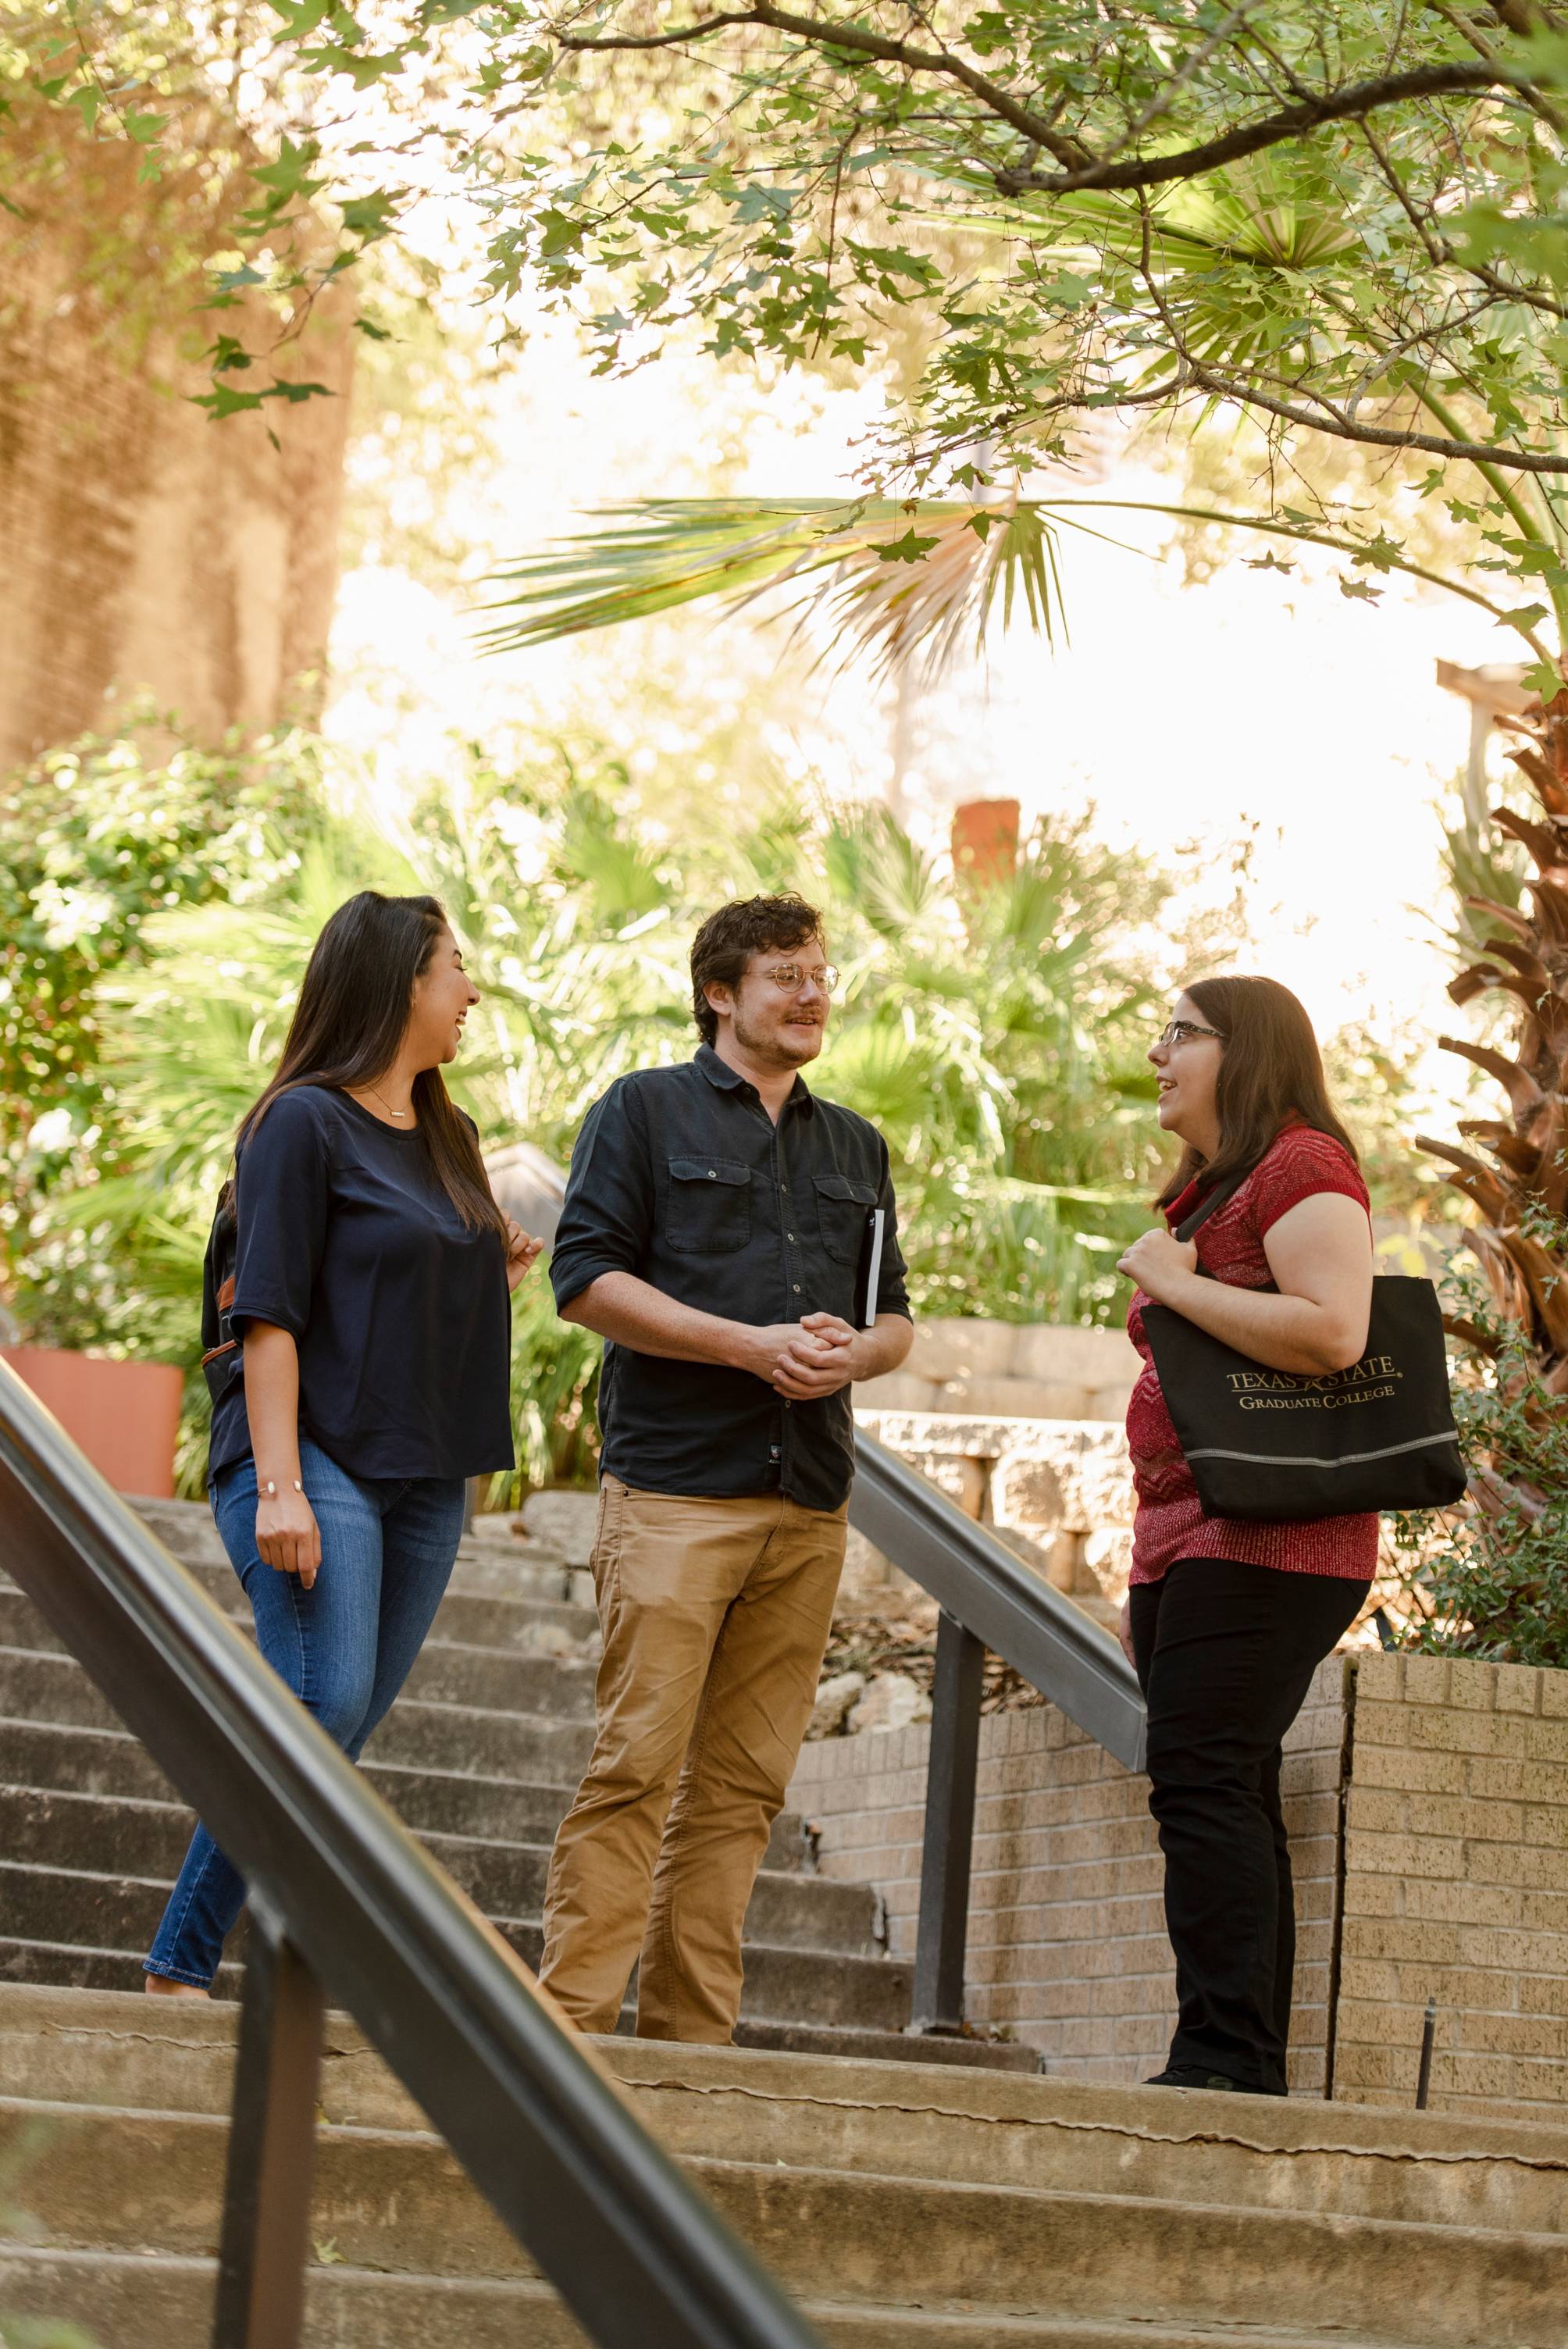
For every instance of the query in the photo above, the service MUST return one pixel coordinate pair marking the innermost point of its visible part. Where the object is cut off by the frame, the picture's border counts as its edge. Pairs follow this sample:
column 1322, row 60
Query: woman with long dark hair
column 1226, row 1620
column 369, row 1355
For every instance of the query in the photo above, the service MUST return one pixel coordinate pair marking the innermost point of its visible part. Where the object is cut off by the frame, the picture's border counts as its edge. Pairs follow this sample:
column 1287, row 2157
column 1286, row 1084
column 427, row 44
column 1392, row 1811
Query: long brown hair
column 353, row 1008
column 1270, row 1067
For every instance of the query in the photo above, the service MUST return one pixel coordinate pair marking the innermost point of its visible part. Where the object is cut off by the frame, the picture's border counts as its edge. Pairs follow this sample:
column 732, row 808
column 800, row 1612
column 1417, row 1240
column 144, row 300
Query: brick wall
column 1456, row 1885
column 1446, row 1784
column 1067, row 1939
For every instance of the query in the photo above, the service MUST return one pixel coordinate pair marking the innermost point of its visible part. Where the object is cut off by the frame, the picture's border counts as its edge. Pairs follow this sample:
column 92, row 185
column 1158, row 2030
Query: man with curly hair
column 733, row 1238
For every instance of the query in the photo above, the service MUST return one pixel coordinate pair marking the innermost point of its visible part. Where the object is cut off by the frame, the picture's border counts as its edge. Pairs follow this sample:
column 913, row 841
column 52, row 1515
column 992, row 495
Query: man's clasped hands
column 803, row 1360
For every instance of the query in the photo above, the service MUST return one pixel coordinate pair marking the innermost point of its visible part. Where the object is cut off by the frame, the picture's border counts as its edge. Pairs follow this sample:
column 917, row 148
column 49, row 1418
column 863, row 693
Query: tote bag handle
column 1210, row 1206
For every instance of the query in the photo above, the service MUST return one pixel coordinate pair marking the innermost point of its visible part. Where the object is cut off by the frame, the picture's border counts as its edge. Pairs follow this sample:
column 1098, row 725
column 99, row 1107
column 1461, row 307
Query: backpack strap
column 220, row 1359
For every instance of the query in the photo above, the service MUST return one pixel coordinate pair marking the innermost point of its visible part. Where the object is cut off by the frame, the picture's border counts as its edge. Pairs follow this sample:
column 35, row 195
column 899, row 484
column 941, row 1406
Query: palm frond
column 1245, row 214
column 897, row 583
column 902, row 578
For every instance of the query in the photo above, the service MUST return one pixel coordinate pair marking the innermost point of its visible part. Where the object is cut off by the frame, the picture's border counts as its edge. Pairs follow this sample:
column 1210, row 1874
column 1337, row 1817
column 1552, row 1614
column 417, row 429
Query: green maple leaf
column 910, row 548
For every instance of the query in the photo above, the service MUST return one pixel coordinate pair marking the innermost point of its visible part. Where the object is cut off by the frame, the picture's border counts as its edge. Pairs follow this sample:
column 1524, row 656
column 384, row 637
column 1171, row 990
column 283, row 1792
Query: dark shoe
column 1192, row 2076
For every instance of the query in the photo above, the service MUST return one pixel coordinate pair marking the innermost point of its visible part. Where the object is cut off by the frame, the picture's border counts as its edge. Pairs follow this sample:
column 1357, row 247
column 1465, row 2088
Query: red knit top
column 1171, row 1523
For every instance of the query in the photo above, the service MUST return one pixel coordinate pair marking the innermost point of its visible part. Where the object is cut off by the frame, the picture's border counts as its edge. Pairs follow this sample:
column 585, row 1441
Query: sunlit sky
column 1255, row 703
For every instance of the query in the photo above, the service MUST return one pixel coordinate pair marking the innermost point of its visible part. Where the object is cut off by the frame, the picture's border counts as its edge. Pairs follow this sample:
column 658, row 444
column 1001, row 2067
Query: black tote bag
column 1273, row 1444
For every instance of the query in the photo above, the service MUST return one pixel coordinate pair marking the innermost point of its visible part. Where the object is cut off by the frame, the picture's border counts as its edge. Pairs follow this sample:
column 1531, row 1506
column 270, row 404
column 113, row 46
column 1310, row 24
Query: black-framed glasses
column 1182, row 1031
column 792, row 977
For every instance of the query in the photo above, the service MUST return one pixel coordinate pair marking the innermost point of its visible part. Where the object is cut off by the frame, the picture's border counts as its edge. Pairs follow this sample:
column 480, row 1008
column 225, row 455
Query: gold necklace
column 399, row 1113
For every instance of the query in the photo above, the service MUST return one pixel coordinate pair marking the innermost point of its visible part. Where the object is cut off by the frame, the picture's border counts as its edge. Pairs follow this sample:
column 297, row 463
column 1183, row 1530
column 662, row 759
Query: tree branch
column 854, row 40
column 1079, row 169
column 1327, row 419
column 1458, row 22
column 1356, row 100
column 656, row 40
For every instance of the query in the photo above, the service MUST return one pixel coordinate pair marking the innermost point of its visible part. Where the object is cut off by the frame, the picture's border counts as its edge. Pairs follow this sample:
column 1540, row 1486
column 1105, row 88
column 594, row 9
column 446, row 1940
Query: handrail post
column 950, row 1782
column 272, row 2146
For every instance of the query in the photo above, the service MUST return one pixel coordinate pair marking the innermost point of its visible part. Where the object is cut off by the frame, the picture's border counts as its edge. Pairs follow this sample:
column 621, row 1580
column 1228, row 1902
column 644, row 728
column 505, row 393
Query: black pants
column 1225, row 1655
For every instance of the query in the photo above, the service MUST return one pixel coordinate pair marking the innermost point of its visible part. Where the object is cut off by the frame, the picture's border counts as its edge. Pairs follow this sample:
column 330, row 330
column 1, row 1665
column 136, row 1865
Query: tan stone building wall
column 1067, row 1938
column 1428, row 1805
column 148, row 549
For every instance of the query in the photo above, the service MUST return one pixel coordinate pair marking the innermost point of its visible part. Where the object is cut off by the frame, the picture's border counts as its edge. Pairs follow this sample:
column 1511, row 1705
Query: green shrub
column 1490, row 1579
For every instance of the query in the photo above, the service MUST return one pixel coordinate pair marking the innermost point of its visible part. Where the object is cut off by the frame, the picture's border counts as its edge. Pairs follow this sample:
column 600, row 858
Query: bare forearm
column 885, row 1346
column 288, row 1538
column 1283, row 1333
column 632, row 1312
column 272, row 1402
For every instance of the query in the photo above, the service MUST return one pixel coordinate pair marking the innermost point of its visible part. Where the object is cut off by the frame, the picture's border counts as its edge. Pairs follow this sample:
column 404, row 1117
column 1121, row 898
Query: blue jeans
column 345, row 1647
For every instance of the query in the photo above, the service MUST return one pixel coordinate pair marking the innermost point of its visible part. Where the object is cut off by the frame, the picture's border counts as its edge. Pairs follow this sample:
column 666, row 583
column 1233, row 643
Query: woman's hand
column 521, row 1253
column 1124, row 1633
column 287, row 1536
column 1160, row 1262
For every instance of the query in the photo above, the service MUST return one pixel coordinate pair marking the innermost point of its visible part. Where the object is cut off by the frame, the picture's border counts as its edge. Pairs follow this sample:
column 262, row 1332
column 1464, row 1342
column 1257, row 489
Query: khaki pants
column 714, row 1615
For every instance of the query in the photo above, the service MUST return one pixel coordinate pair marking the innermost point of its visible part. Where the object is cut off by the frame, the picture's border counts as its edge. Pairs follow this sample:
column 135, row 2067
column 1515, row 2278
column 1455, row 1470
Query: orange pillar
column 986, row 840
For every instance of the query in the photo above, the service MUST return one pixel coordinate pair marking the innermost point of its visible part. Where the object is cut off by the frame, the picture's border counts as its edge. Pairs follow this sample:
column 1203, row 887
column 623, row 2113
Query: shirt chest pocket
column 842, row 1206
column 709, row 1209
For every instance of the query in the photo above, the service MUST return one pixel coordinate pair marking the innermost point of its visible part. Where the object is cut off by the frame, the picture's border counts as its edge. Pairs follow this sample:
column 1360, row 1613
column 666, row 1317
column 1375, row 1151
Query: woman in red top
column 1226, row 1619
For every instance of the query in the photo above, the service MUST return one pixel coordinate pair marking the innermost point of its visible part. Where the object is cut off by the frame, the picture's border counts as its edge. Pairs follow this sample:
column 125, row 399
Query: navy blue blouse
column 400, row 1311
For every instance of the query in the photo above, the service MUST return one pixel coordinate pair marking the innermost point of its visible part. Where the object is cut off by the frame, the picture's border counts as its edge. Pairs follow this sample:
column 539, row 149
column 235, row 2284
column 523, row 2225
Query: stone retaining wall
column 1058, row 1491
column 1008, row 1370
column 1428, row 1803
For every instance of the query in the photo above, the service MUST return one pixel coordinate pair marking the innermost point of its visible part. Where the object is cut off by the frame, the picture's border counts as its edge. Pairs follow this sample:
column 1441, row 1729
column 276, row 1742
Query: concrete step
column 147, row 2303
column 551, row 1688
column 881, row 2119
column 488, row 1564
column 1155, row 2143
column 80, row 1761
column 557, row 1687
column 37, row 1686
column 426, row 1735
column 843, row 2042
column 98, row 2178
column 423, row 1732
column 72, row 1969
column 110, row 1762
column 811, row 1997
column 65, row 1920
column 512, row 1626
column 431, row 1802
column 44, row 1828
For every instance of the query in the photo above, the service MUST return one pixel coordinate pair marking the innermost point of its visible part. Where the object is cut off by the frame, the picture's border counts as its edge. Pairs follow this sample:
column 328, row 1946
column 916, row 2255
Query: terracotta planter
column 124, row 1415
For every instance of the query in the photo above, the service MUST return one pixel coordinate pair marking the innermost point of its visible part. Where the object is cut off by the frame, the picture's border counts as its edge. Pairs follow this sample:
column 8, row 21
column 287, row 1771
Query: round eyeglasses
column 792, row 978
column 1183, row 1031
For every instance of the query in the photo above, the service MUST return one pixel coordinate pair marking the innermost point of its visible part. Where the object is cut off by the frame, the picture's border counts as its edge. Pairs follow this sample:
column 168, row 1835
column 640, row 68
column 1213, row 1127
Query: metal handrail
column 342, row 1899
column 989, row 1599
column 1051, row 1643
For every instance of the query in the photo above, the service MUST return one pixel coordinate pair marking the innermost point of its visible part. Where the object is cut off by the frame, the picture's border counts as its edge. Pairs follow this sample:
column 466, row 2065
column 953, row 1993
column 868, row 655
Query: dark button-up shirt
column 680, row 1176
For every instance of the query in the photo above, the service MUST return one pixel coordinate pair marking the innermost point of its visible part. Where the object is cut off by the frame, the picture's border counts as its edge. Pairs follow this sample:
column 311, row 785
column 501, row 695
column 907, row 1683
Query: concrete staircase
column 956, row 2204
column 902, row 2205
column 481, row 1757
